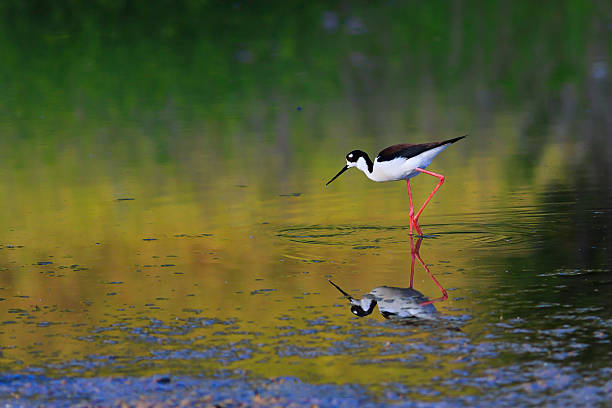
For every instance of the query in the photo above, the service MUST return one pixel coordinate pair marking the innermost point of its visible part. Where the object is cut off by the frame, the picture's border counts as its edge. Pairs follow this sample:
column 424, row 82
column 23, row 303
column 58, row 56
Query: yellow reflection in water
column 99, row 241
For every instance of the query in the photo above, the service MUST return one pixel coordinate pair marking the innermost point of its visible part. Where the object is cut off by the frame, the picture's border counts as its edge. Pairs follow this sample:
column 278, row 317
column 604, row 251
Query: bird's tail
column 450, row 141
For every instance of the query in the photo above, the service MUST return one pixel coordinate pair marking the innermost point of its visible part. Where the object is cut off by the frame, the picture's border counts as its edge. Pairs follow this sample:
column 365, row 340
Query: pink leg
column 439, row 176
column 411, row 213
column 412, row 253
column 415, row 253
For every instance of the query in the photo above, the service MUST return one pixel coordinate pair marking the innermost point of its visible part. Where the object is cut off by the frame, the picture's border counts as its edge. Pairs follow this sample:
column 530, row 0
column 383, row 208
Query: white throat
column 361, row 165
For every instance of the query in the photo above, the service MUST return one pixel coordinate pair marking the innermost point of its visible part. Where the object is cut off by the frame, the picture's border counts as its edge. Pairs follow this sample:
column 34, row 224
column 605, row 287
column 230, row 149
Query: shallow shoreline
column 171, row 391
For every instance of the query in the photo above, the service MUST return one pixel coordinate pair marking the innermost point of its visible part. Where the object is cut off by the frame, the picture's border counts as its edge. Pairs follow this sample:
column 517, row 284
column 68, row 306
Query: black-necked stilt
column 400, row 162
column 406, row 304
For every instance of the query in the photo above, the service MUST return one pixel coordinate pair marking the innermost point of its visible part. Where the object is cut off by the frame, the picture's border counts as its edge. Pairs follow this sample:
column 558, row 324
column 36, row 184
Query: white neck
column 363, row 166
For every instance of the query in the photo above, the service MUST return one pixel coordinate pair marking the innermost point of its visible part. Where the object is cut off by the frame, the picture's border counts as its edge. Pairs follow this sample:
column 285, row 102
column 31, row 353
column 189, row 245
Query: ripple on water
column 338, row 234
column 575, row 272
column 483, row 235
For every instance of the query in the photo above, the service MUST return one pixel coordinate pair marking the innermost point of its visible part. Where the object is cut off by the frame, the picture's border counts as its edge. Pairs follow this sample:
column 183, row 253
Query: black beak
column 335, row 177
column 341, row 291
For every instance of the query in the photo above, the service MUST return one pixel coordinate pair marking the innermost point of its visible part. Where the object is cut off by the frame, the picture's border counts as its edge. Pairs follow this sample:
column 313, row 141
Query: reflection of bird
column 400, row 162
column 393, row 303
column 406, row 304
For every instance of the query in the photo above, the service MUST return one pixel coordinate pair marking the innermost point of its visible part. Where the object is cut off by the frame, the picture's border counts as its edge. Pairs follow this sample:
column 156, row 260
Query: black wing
column 410, row 150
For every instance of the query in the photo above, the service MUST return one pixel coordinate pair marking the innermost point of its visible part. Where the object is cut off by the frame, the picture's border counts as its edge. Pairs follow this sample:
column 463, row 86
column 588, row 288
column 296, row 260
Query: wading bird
column 400, row 162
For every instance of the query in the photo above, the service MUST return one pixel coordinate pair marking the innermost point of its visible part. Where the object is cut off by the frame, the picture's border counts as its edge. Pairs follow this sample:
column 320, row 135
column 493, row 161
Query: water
column 157, row 226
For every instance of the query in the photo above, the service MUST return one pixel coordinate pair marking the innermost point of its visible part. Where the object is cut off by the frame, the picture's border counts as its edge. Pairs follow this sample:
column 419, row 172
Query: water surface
column 168, row 225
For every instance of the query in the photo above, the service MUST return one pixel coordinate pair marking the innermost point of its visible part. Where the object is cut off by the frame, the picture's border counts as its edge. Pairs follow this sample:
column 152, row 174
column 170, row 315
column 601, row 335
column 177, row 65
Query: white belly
column 402, row 169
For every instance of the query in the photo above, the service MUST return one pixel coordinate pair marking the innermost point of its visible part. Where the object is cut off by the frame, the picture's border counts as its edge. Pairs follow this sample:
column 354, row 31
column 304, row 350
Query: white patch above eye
column 350, row 156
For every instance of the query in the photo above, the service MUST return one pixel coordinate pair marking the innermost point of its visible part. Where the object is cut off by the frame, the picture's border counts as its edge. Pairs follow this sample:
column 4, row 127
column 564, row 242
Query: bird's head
column 359, row 307
column 353, row 157
column 363, row 307
column 356, row 158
